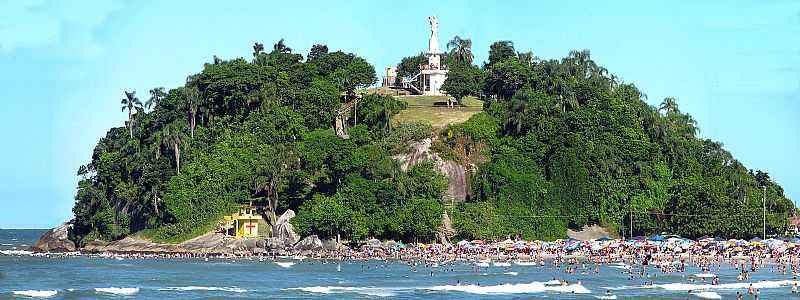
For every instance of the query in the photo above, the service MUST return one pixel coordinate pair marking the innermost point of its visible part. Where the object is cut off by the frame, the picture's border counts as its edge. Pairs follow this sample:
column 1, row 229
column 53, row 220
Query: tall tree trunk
column 130, row 123
column 177, row 159
column 192, row 123
column 155, row 199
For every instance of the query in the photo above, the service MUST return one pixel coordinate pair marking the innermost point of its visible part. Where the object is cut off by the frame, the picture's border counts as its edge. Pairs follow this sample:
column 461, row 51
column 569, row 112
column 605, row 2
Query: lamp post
column 764, row 202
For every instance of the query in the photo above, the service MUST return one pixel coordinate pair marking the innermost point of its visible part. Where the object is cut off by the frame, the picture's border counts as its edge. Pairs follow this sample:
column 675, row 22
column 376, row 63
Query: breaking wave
column 117, row 291
column 708, row 295
column 725, row 286
column 204, row 288
column 35, row 294
column 284, row 265
column 369, row 291
column 508, row 288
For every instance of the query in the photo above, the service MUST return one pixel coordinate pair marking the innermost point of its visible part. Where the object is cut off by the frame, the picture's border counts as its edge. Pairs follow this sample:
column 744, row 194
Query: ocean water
column 57, row 277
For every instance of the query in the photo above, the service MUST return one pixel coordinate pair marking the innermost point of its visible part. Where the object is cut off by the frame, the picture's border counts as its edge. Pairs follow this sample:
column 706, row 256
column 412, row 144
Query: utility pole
column 631, row 219
column 764, row 202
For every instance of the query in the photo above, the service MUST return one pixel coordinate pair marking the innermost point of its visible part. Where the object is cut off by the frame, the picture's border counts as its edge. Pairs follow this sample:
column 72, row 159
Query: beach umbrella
column 657, row 238
column 479, row 242
column 755, row 239
column 604, row 238
column 462, row 243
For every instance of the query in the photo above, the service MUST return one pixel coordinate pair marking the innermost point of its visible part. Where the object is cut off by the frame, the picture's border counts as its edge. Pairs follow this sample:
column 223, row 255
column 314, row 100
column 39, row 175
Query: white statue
column 433, row 43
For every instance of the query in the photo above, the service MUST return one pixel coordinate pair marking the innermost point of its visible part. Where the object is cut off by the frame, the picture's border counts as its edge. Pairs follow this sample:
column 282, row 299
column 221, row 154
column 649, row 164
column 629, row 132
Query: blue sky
column 65, row 64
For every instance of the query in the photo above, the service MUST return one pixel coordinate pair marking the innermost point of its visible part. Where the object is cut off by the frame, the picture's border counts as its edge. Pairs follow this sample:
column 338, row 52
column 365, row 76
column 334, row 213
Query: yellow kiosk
column 243, row 224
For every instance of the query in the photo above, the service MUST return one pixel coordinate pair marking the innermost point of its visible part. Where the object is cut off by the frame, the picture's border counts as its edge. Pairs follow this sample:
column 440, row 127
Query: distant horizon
column 734, row 68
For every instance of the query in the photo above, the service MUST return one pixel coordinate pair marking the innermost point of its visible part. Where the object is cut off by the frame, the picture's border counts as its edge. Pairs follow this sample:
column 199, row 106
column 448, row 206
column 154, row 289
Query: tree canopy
column 560, row 144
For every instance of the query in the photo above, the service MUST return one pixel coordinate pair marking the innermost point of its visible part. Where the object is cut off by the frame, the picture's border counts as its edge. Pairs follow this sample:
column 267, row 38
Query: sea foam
column 35, row 294
column 509, row 288
column 204, row 288
column 708, row 295
column 725, row 286
column 117, row 291
column 369, row 291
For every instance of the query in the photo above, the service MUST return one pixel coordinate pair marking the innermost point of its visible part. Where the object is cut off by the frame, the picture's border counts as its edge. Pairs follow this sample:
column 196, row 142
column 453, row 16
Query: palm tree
column 461, row 49
column 130, row 102
column 174, row 135
column 156, row 95
column 516, row 119
column 669, row 105
column 155, row 147
column 281, row 47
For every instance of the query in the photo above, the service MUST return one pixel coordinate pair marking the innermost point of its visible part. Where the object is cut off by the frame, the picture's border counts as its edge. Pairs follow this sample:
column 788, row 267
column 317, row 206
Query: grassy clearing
column 434, row 111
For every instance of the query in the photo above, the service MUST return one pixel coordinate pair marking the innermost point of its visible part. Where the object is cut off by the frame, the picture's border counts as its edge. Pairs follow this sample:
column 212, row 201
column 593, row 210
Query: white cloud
column 68, row 25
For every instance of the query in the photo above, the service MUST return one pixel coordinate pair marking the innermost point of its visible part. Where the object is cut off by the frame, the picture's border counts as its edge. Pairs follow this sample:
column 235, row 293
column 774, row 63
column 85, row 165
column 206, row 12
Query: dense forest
column 560, row 144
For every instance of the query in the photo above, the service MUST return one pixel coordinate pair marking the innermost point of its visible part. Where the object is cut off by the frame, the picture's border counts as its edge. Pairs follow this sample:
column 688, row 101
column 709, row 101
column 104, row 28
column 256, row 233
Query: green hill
column 557, row 144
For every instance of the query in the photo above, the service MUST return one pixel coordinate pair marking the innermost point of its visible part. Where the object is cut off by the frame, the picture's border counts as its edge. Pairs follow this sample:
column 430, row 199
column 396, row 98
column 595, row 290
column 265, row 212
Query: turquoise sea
column 57, row 277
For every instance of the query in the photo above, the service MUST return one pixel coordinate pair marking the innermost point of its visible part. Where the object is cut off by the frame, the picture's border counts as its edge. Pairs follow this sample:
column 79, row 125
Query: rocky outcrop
column 211, row 243
column 455, row 172
column 333, row 245
column 592, row 232
column 283, row 231
column 309, row 243
column 55, row 240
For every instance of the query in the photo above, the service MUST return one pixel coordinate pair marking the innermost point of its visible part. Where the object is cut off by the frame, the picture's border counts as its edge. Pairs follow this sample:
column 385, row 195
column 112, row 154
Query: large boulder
column 311, row 242
column 275, row 243
column 95, row 246
column 284, row 231
column 456, row 173
column 285, row 217
column 333, row 245
column 55, row 240
column 374, row 243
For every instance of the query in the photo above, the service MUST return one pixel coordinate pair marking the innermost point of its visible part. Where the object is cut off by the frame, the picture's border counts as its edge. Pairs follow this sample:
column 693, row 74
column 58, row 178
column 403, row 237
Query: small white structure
column 433, row 74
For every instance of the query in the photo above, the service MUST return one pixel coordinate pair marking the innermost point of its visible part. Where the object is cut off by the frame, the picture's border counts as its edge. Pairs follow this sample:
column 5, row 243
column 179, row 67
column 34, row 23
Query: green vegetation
column 560, row 143
column 566, row 144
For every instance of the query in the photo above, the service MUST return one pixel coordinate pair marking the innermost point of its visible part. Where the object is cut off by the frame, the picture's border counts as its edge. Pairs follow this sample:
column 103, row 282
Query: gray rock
column 95, row 246
column 284, row 230
column 285, row 217
column 332, row 245
column 55, row 240
column 274, row 243
column 389, row 244
column 311, row 242
column 374, row 243
column 250, row 243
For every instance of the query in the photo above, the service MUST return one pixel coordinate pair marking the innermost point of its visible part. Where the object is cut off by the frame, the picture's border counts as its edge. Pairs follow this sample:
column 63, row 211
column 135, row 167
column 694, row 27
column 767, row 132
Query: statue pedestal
column 432, row 81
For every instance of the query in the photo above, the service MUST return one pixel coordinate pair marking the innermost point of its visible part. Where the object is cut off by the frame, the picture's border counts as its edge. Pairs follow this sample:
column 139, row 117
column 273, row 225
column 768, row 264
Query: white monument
column 433, row 74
